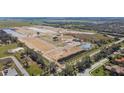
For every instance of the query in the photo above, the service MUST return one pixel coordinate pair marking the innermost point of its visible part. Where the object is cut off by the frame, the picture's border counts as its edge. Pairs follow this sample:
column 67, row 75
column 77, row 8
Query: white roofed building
column 16, row 50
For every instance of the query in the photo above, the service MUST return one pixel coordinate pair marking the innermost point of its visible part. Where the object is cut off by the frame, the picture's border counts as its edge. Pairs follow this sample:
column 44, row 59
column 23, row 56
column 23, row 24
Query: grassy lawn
column 1, row 73
column 11, row 23
column 33, row 68
column 99, row 71
column 5, row 48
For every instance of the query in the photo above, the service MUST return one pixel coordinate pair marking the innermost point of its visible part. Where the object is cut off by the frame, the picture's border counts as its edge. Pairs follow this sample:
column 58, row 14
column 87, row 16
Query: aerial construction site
column 55, row 44
column 60, row 47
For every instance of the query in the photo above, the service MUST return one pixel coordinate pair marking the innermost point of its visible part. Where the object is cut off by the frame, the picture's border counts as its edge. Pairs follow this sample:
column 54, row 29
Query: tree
column 38, row 33
column 85, row 63
column 70, row 70
column 26, row 65
column 52, row 68
column 46, row 71
column 80, row 66
column 20, row 44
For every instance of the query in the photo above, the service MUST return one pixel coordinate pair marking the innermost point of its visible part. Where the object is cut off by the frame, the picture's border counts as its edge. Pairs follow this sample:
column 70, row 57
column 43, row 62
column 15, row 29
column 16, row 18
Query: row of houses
column 118, row 66
column 116, row 69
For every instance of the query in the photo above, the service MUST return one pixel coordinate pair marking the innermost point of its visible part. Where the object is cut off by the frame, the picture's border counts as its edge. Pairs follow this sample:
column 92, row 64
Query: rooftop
column 115, row 68
column 120, row 60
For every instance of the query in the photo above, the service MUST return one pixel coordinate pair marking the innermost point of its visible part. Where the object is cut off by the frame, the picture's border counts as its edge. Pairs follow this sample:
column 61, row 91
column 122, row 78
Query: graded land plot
column 37, row 44
column 24, row 30
column 59, row 43
column 60, row 53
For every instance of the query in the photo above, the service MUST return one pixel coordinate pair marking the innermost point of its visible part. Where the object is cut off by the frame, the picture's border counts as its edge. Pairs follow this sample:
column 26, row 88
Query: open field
column 34, row 69
column 59, row 43
column 24, row 31
column 5, row 48
column 12, row 23
column 98, row 72
column 38, row 44
column 89, row 37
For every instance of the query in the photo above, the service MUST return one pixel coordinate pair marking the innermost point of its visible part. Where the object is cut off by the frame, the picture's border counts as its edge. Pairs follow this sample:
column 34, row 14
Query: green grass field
column 12, row 23
column 5, row 48
column 33, row 68
column 98, row 72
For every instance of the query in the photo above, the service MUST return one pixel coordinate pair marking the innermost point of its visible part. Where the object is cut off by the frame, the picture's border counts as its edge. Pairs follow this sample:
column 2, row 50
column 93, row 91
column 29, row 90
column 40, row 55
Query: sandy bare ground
column 62, row 30
column 37, row 44
column 24, row 30
column 61, row 52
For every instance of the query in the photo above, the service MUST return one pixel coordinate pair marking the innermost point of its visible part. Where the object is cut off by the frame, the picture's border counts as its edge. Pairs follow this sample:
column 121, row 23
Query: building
column 117, row 69
column 15, row 50
column 121, row 60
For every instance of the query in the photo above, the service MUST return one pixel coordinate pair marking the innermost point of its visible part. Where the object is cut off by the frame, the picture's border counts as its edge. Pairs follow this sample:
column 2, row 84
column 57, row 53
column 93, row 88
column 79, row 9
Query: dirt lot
column 24, row 30
column 61, row 52
column 37, row 44
column 59, row 43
